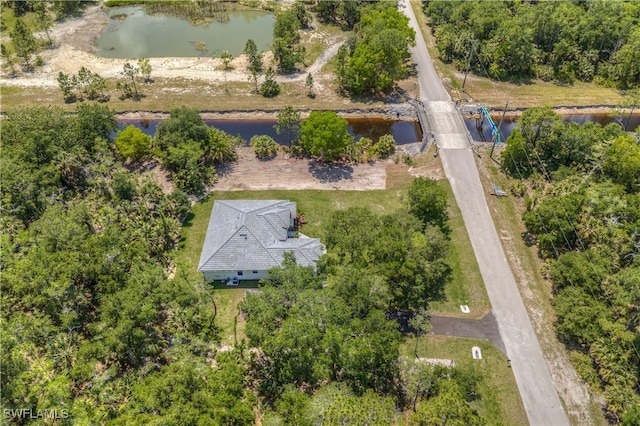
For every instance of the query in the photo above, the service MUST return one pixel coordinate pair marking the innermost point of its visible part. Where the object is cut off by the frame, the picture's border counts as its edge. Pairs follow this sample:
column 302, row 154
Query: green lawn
column 500, row 402
column 317, row 206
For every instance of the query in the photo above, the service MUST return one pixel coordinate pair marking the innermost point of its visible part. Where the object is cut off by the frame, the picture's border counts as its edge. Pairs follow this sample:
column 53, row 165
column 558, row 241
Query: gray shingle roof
column 252, row 235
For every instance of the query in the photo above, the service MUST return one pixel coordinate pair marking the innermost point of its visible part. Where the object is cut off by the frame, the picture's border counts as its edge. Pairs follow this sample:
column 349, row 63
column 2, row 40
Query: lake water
column 510, row 123
column 403, row 131
column 140, row 35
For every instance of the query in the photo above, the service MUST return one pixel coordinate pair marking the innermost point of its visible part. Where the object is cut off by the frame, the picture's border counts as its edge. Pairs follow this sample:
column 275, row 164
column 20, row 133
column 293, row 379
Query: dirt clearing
column 251, row 173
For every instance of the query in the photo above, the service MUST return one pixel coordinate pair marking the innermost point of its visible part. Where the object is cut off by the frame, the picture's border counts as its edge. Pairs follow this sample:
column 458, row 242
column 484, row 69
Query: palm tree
column 220, row 147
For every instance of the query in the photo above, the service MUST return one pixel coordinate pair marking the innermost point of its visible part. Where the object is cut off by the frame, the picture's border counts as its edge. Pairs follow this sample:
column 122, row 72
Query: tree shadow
column 266, row 158
column 330, row 172
column 225, row 168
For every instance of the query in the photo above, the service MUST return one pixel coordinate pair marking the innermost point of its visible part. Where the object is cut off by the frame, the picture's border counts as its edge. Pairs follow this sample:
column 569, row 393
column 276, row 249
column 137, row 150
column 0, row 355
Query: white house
column 246, row 238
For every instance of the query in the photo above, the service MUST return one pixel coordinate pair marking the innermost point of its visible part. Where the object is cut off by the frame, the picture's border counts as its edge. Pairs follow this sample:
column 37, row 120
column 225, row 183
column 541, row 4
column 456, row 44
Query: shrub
column 264, row 146
column 270, row 87
column 385, row 146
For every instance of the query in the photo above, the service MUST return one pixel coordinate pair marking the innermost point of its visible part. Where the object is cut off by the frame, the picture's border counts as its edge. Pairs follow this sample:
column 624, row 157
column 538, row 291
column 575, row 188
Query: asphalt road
column 538, row 393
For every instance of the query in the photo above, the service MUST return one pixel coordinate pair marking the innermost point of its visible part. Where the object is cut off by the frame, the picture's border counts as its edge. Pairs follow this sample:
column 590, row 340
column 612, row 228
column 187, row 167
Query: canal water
column 132, row 33
column 510, row 123
column 403, row 131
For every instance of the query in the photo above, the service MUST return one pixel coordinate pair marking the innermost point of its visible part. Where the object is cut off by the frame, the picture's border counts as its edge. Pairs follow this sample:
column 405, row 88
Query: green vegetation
column 189, row 149
column 376, row 58
column 325, row 135
column 24, row 43
column 499, row 402
column 85, row 84
column 582, row 211
column 269, row 87
column 90, row 323
column 329, row 330
column 133, row 143
column 100, row 316
column 561, row 41
column 289, row 124
column 286, row 49
column 264, row 146
column 253, row 56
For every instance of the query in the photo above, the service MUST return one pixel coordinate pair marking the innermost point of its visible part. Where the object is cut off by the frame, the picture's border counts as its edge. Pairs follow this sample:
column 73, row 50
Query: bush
column 385, row 146
column 264, row 146
column 270, row 89
column 133, row 143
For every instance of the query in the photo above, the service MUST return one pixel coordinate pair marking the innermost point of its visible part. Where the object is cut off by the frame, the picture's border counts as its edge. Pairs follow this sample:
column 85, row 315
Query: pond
column 403, row 131
column 132, row 33
column 510, row 123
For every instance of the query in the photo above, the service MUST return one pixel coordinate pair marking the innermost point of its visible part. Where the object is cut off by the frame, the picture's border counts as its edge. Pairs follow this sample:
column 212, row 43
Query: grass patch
column 398, row 176
column 521, row 95
column 165, row 94
column 466, row 286
column 500, row 402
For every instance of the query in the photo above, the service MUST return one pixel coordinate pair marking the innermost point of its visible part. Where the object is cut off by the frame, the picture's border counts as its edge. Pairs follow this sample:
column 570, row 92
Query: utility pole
column 473, row 45
column 495, row 140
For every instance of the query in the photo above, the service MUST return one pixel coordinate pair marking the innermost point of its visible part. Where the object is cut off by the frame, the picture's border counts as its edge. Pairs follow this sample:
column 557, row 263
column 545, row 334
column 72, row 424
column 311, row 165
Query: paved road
column 539, row 395
column 483, row 328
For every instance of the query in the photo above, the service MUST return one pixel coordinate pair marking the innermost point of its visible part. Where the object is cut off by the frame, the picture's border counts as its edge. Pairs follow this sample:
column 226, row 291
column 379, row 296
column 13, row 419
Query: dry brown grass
column 165, row 94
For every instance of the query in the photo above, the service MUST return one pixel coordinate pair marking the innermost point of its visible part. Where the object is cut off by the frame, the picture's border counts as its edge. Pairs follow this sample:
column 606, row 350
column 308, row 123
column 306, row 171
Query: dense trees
column 328, row 350
column 285, row 46
column 561, row 41
column 394, row 247
column 95, row 321
column 376, row 57
column 189, row 149
column 90, row 321
column 344, row 13
column 584, row 211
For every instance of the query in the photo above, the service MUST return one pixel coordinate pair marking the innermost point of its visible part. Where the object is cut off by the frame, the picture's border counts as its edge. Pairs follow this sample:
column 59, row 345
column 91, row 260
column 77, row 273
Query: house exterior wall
column 239, row 275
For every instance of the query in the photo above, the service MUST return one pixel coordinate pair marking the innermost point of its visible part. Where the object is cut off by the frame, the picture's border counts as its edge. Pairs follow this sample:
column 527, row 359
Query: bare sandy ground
column 74, row 48
column 282, row 172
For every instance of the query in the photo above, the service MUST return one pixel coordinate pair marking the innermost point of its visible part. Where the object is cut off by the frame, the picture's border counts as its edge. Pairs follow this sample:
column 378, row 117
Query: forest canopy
column 551, row 40
column 583, row 211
